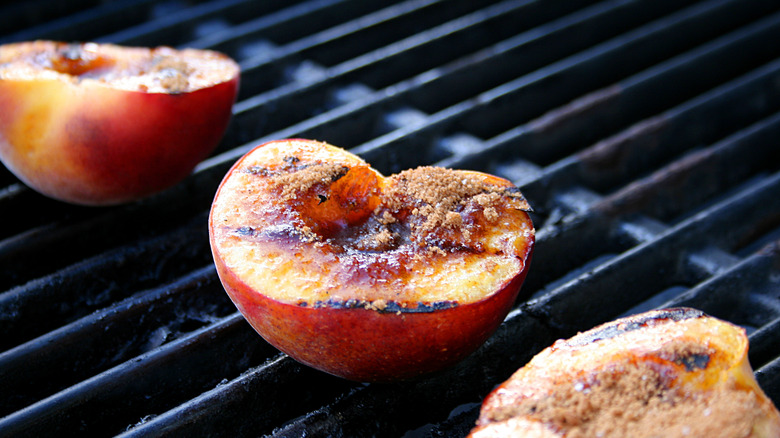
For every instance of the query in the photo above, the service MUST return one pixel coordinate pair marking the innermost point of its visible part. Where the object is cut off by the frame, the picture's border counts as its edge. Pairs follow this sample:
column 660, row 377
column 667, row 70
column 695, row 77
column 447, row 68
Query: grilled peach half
column 671, row 373
column 363, row 276
column 100, row 124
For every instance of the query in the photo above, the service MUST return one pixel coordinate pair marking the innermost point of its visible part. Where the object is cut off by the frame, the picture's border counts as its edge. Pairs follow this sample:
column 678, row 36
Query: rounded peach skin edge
column 368, row 345
column 95, row 145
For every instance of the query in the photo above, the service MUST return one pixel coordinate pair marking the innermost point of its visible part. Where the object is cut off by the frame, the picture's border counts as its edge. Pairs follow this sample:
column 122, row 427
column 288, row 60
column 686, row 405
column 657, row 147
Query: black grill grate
column 644, row 133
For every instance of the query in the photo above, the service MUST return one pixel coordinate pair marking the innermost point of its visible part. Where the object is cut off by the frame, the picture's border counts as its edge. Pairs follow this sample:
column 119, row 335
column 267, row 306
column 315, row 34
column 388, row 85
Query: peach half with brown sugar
column 363, row 276
column 671, row 372
column 101, row 124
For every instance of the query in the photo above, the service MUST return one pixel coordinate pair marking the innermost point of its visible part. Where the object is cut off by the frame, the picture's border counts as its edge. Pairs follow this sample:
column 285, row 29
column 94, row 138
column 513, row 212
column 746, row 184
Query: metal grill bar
column 611, row 162
column 148, row 382
column 233, row 408
column 288, row 105
column 84, row 25
column 47, row 302
column 557, row 84
column 110, row 336
column 180, row 26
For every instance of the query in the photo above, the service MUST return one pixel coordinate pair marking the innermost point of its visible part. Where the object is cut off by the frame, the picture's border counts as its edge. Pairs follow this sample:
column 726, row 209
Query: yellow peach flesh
column 315, row 273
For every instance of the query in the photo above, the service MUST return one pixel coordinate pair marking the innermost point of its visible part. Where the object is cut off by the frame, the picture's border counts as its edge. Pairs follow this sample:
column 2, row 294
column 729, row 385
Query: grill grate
column 644, row 133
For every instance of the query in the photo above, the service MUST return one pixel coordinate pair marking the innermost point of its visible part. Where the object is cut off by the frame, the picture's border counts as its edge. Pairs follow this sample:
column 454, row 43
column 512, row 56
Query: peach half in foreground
column 363, row 276
column 100, row 124
column 673, row 372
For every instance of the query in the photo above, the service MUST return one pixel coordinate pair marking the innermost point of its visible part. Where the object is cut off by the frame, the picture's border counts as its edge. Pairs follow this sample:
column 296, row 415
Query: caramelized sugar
column 421, row 210
column 78, row 60
column 412, row 237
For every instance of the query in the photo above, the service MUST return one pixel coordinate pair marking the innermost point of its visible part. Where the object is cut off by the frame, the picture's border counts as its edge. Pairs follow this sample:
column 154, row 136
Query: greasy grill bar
column 643, row 133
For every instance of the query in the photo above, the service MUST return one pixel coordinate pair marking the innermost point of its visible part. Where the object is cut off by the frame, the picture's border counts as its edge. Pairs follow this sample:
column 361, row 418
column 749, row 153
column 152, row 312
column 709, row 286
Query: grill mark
column 283, row 233
column 385, row 307
column 290, row 234
column 610, row 331
column 694, row 361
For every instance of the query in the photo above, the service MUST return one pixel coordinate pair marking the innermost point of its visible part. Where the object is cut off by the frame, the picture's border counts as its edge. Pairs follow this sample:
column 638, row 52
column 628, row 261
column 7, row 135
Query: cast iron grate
column 644, row 133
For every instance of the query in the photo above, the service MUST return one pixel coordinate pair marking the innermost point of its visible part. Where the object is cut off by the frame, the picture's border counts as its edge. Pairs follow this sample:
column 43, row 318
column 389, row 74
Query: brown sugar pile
column 635, row 401
column 640, row 397
column 294, row 180
column 439, row 195
column 417, row 202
